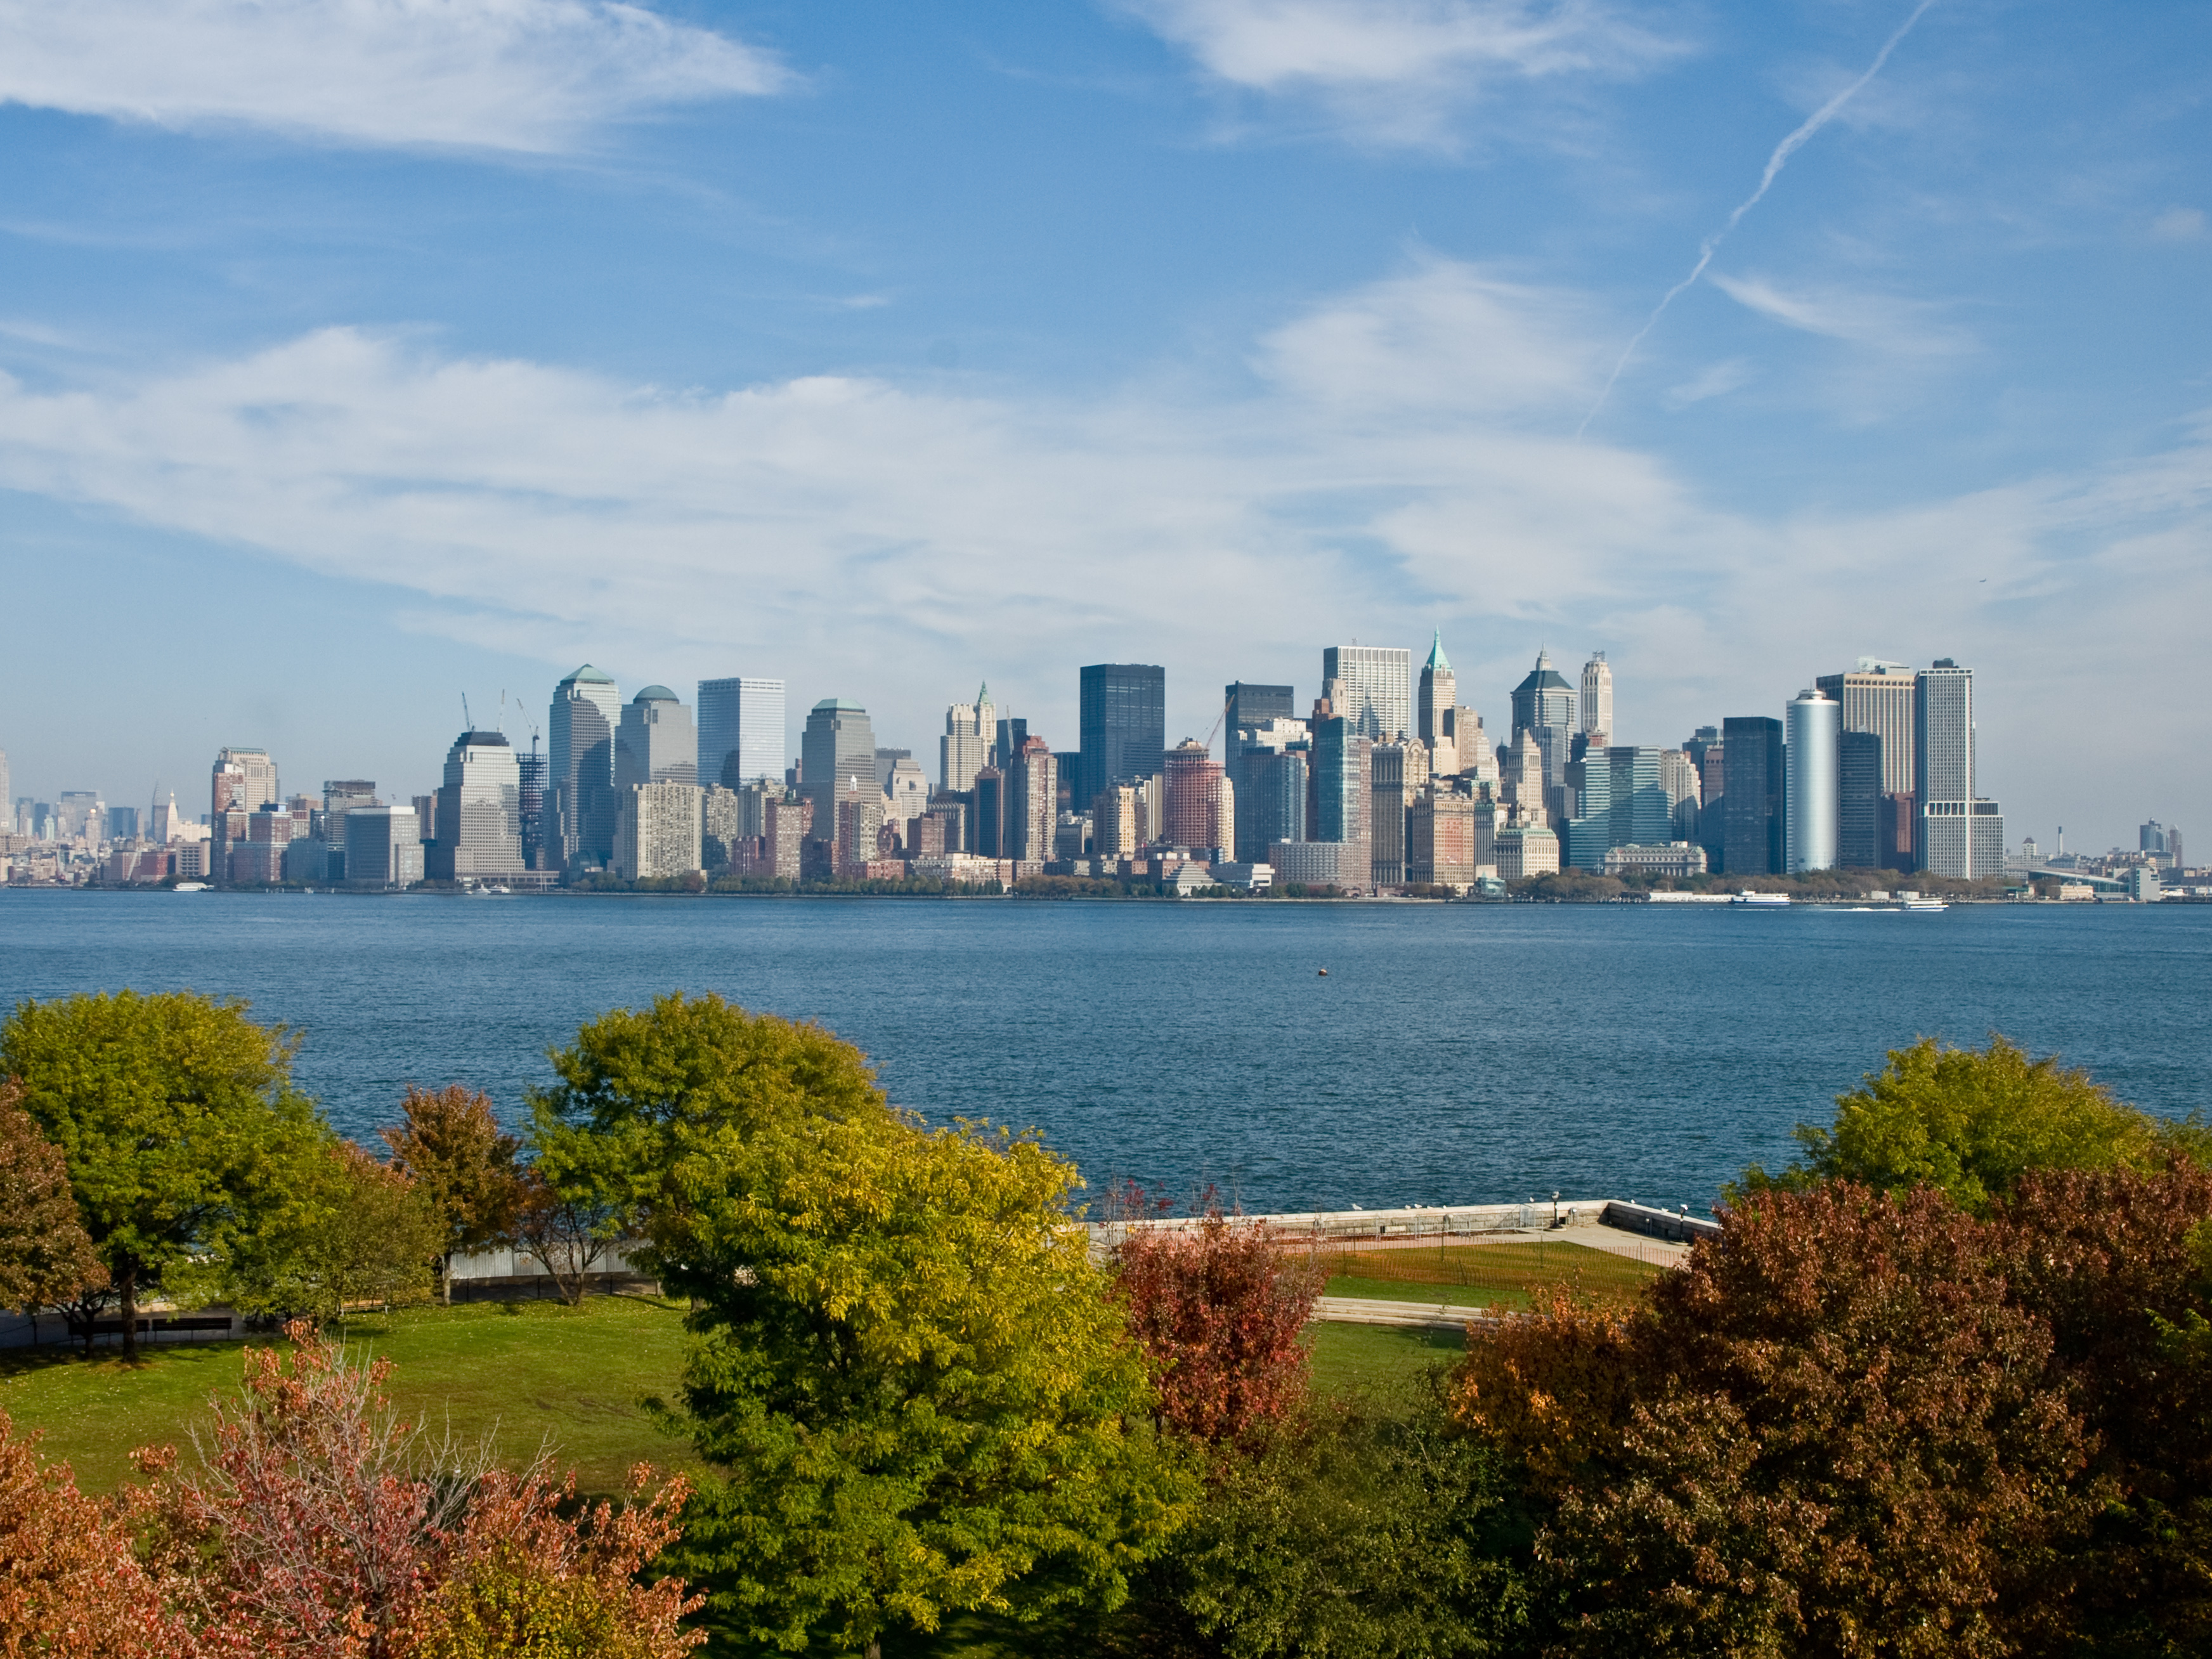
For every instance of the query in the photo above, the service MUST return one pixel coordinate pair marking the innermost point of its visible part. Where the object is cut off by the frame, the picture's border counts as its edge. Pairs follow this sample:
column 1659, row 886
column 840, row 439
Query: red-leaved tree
column 1219, row 1308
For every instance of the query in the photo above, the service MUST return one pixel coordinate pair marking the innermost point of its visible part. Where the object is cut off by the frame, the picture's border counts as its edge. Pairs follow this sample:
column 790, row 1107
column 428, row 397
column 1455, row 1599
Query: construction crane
column 1217, row 718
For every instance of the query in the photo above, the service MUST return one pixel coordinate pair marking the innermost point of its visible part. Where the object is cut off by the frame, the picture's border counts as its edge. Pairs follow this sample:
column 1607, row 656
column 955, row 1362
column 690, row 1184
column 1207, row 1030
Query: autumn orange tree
column 47, row 1260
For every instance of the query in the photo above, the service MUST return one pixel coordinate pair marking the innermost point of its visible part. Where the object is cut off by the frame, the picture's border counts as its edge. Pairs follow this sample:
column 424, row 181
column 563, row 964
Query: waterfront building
column 1272, row 799
column 311, row 861
column 1624, row 804
column 1525, row 850
column 965, row 748
column 1191, row 775
column 579, row 825
column 657, row 831
column 656, row 742
column 858, row 839
column 741, row 730
column 383, row 847
column 1372, row 686
column 1032, row 803
column 787, row 820
column 478, row 828
column 1441, row 845
column 1858, row 800
column 839, row 746
column 1596, row 710
column 1398, row 773
column 1876, row 698
column 1752, row 827
column 1343, row 782
column 1122, row 725
column 1320, row 863
column 1810, row 791
column 1676, row 860
column 1956, row 826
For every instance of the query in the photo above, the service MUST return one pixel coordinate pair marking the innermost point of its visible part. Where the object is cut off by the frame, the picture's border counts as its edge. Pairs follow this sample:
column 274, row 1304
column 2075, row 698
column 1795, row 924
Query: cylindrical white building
column 1813, row 728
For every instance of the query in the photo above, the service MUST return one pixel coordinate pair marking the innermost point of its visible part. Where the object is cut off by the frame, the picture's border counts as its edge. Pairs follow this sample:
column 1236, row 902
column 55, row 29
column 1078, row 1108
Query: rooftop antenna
column 467, row 720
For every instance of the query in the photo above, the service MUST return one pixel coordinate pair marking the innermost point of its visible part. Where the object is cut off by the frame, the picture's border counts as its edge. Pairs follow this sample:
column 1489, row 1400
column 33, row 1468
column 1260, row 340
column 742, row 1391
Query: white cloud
column 534, row 76
column 2181, row 224
column 1401, row 455
column 1717, row 380
column 1879, row 322
column 1393, row 67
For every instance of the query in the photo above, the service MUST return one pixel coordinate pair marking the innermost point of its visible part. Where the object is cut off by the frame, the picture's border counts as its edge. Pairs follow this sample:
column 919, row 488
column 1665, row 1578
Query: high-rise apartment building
column 1858, row 800
column 1956, row 827
column 1876, row 698
column 1193, row 815
column 965, row 748
column 383, row 847
column 1809, row 798
column 657, row 831
column 580, row 745
column 1753, row 829
column 1270, row 799
column 1372, row 686
column 1595, row 714
column 741, row 730
column 1032, row 807
column 1398, row 773
column 988, row 831
column 1122, row 721
column 1678, row 776
column 1114, row 833
column 1343, row 778
column 1441, row 838
column 479, row 823
column 838, row 747
column 656, row 742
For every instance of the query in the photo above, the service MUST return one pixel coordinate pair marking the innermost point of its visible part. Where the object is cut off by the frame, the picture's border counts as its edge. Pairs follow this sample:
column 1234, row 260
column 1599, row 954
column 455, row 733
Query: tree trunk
column 445, row 1276
column 875, row 1650
column 126, row 1282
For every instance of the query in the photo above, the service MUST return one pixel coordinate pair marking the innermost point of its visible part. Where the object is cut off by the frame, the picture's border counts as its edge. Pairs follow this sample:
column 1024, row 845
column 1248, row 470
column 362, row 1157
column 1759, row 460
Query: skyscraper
column 656, row 742
column 741, row 731
column 1192, row 776
column 1544, row 706
column 1810, row 796
column 479, row 826
column 383, row 847
column 1876, row 698
column 1596, row 710
column 1452, row 732
column 1270, row 796
column 965, row 748
column 1397, row 774
column 1624, row 804
column 1122, row 722
column 839, row 745
column 579, row 744
column 1032, row 802
column 658, row 829
column 1956, row 827
column 1752, row 830
column 1374, row 687
column 1858, row 800
column 530, row 774
column 1255, row 705
column 1343, row 777
column 243, row 780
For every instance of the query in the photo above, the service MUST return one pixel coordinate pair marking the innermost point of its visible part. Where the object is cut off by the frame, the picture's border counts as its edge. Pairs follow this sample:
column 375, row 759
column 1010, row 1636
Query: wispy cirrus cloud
column 1393, row 70
column 538, row 77
column 1884, row 323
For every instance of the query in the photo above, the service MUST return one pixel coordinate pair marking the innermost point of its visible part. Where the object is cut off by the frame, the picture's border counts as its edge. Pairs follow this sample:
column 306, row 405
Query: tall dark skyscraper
column 1858, row 800
column 1122, row 719
column 1753, row 835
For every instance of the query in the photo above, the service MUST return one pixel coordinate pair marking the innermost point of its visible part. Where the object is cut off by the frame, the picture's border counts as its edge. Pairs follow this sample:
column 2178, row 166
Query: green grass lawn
column 1487, row 1275
column 533, row 1372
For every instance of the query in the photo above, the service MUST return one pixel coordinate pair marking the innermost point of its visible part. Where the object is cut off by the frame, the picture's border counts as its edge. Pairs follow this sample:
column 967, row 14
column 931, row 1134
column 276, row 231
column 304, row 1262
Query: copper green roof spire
column 1437, row 657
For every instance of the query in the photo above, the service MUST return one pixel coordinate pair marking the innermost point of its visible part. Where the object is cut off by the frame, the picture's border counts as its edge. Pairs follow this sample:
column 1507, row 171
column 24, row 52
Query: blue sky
column 359, row 354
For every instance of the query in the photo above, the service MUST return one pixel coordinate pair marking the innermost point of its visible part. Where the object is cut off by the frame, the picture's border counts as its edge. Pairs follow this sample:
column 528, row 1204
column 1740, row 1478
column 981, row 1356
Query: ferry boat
column 1747, row 897
column 189, row 887
column 1922, row 904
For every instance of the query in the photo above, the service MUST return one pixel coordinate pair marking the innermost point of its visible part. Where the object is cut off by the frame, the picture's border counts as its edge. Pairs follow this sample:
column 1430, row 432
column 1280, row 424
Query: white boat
column 1747, row 897
column 1922, row 904
column 189, row 887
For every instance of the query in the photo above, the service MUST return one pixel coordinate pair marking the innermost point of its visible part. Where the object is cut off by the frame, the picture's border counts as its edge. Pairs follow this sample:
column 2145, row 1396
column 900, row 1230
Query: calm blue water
column 1452, row 1054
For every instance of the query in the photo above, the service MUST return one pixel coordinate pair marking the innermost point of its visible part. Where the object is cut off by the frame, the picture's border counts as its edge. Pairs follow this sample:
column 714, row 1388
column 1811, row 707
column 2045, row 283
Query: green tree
column 908, row 1367
column 361, row 1232
column 451, row 1147
column 1972, row 1122
column 176, row 1113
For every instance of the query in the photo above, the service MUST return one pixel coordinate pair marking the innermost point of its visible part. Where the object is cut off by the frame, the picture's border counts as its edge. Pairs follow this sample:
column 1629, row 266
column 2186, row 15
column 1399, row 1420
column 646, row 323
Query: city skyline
column 879, row 350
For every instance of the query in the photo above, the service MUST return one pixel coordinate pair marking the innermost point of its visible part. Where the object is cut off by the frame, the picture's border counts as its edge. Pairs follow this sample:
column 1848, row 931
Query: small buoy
column 1324, row 973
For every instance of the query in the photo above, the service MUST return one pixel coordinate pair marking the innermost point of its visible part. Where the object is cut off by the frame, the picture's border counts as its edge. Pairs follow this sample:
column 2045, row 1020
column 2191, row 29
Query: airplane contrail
column 1783, row 151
